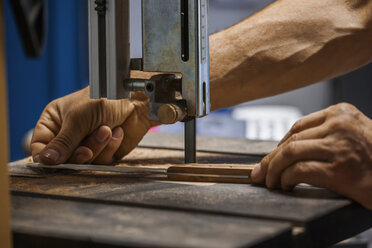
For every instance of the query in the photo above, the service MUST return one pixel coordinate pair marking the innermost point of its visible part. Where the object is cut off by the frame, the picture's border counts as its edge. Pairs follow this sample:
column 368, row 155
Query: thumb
column 61, row 147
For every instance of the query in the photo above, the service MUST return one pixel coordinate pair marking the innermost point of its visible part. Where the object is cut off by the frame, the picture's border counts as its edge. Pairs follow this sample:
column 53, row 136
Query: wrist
column 364, row 190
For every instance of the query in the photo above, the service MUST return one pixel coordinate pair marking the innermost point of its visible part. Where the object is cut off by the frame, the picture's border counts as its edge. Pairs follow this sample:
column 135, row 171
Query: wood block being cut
column 224, row 173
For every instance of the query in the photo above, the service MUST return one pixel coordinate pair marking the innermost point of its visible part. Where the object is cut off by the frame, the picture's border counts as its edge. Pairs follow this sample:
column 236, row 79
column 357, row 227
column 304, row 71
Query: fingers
column 315, row 173
column 258, row 176
column 99, row 147
column 81, row 155
column 292, row 153
column 72, row 119
column 41, row 137
column 318, row 132
column 95, row 143
column 60, row 148
column 98, row 141
column 135, row 128
column 276, row 162
column 310, row 121
column 107, row 154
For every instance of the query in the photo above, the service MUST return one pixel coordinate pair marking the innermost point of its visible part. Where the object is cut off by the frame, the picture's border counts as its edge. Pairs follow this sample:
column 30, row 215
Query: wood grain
column 297, row 206
column 240, row 174
column 317, row 212
column 213, row 169
column 192, row 172
column 88, row 224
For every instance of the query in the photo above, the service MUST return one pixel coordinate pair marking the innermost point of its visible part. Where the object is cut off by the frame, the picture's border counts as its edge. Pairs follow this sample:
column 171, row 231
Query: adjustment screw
column 101, row 7
column 149, row 87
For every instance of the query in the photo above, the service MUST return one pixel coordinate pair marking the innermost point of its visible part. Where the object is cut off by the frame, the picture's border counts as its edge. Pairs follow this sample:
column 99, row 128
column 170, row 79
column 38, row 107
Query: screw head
column 149, row 87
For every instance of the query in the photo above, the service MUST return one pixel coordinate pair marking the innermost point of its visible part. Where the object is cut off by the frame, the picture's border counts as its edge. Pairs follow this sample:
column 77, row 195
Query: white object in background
column 214, row 124
column 267, row 122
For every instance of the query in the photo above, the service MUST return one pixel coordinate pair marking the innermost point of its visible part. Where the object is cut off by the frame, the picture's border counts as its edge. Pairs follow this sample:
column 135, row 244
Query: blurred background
column 63, row 68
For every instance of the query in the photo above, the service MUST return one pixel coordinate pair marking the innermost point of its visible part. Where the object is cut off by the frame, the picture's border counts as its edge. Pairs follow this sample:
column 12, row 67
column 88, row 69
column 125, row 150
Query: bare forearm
column 288, row 45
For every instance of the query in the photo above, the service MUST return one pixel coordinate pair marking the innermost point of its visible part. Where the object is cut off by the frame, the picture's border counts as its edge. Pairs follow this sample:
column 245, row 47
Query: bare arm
column 288, row 45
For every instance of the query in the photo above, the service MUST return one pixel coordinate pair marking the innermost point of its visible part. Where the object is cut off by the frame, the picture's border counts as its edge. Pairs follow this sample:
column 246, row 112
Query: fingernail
column 36, row 159
column 102, row 135
column 118, row 133
column 51, row 154
column 256, row 171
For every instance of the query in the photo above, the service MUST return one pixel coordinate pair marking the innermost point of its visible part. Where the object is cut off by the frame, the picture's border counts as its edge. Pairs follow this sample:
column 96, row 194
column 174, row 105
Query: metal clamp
column 164, row 92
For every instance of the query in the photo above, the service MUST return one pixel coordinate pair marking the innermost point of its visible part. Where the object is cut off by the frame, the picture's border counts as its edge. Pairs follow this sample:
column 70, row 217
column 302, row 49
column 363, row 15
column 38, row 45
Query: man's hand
column 331, row 148
column 77, row 129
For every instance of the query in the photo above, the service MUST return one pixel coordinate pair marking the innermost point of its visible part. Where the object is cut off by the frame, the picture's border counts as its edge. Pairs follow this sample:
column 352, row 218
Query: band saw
column 175, row 46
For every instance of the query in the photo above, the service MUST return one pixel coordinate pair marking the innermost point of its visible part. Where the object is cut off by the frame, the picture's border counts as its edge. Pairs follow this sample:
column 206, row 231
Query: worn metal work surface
column 300, row 206
column 98, row 223
column 315, row 214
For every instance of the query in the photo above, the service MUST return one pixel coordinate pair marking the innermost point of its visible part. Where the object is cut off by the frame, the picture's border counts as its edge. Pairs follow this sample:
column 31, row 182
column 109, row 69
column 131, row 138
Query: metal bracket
column 175, row 39
column 165, row 101
column 109, row 49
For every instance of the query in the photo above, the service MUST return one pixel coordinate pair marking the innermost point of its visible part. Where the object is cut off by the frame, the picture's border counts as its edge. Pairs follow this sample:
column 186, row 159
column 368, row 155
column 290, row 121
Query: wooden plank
column 191, row 172
column 151, row 163
column 211, row 173
column 213, row 169
column 209, row 178
column 84, row 224
column 4, row 190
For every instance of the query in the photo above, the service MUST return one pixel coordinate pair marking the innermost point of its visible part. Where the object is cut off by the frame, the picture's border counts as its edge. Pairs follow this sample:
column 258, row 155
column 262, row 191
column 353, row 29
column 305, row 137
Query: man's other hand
column 76, row 129
column 331, row 148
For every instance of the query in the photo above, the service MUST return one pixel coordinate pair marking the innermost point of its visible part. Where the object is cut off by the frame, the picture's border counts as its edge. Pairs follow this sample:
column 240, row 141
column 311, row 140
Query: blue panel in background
column 62, row 69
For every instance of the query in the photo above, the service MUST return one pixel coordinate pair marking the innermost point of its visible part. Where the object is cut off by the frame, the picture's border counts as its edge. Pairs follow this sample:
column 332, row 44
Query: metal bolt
column 101, row 7
column 171, row 113
column 149, row 87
